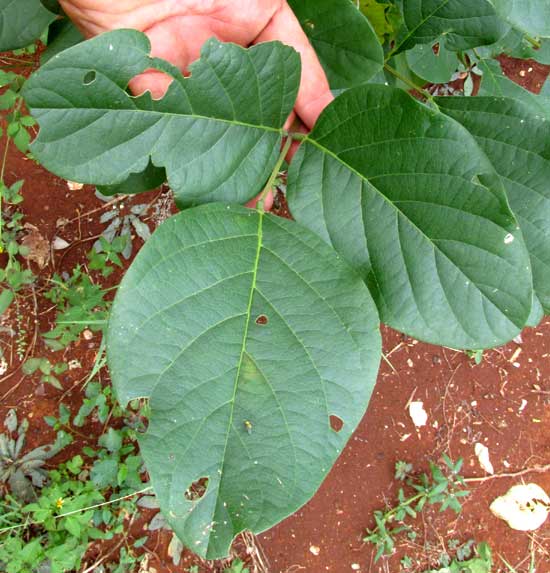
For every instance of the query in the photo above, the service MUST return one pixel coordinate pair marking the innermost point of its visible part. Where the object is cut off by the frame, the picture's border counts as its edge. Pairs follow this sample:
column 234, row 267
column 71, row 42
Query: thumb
column 314, row 93
column 177, row 41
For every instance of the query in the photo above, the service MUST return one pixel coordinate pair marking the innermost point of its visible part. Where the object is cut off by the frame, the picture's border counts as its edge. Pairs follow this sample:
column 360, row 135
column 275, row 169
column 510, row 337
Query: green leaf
column 516, row 140
column 405, row 194
column 463, row 23
column 104, row 473
column 7, row 99
column 384, row 17
column 405, row 75
column 343, row 38
column 151, row 178
column 542, row 54
column 62, row 34
column 22, row 22
column 32, row 551
column 6, row 298
column 537, row 313
column 72, row 526
column 112, row 440
column 31, row 365
column 435, row 68
column 530, row 16
column 484, row 551
column 495, row 83
column 257, row 321
column 515, row 44
column 217, row 133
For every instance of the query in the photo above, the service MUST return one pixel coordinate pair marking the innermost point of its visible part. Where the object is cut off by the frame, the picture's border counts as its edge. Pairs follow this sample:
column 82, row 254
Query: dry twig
column 534, row 469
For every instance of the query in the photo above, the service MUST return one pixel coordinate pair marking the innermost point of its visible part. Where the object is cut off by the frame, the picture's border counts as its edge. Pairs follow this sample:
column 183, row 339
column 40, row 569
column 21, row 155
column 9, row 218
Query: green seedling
column 443, row 488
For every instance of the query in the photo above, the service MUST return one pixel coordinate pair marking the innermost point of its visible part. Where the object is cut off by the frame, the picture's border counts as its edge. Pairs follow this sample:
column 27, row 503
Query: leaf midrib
column 162, row 114
column 243, row 351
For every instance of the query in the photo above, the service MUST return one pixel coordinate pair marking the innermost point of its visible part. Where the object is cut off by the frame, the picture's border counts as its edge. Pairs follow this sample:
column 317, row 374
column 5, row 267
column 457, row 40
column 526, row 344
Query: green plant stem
column 274, row 173
column 393, row 511
column 405, row 80
column 2, row 170
column 476, row 54
column 74, row 512
column 533, row 41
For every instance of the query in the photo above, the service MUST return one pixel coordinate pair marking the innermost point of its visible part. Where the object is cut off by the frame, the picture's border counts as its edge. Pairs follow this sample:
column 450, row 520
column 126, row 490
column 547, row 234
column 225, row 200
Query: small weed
column 18, row 124
column 475, row 355
column 81, row 305
column 12, row 276
column 85, row 499
column 465, row 551
column 23, row 471
column 96, row 400
column 48, row 371
column 121, row 226
column 99, row 259
column 438, row 487
column 236, row 567
column 464, row 562
column 402, row 470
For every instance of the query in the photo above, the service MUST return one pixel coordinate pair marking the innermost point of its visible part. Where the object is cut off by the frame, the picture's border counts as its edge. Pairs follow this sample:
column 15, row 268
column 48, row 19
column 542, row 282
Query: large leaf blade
column 516, row 138
column 406, row 195
column 463, row 23
column 343, row 38
column 227, row 316
column 529, row 16
column 22, row 22
column 217, row 133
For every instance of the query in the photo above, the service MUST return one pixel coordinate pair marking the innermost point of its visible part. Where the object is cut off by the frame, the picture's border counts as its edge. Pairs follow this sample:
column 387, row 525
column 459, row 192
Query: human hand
column 177, row 30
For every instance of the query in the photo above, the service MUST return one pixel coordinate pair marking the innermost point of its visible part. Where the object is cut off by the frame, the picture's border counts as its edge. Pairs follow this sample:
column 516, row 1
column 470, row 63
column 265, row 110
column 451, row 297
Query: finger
column 179, row 42
column 314, row 93
column 268, row 201
column 290, row 121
